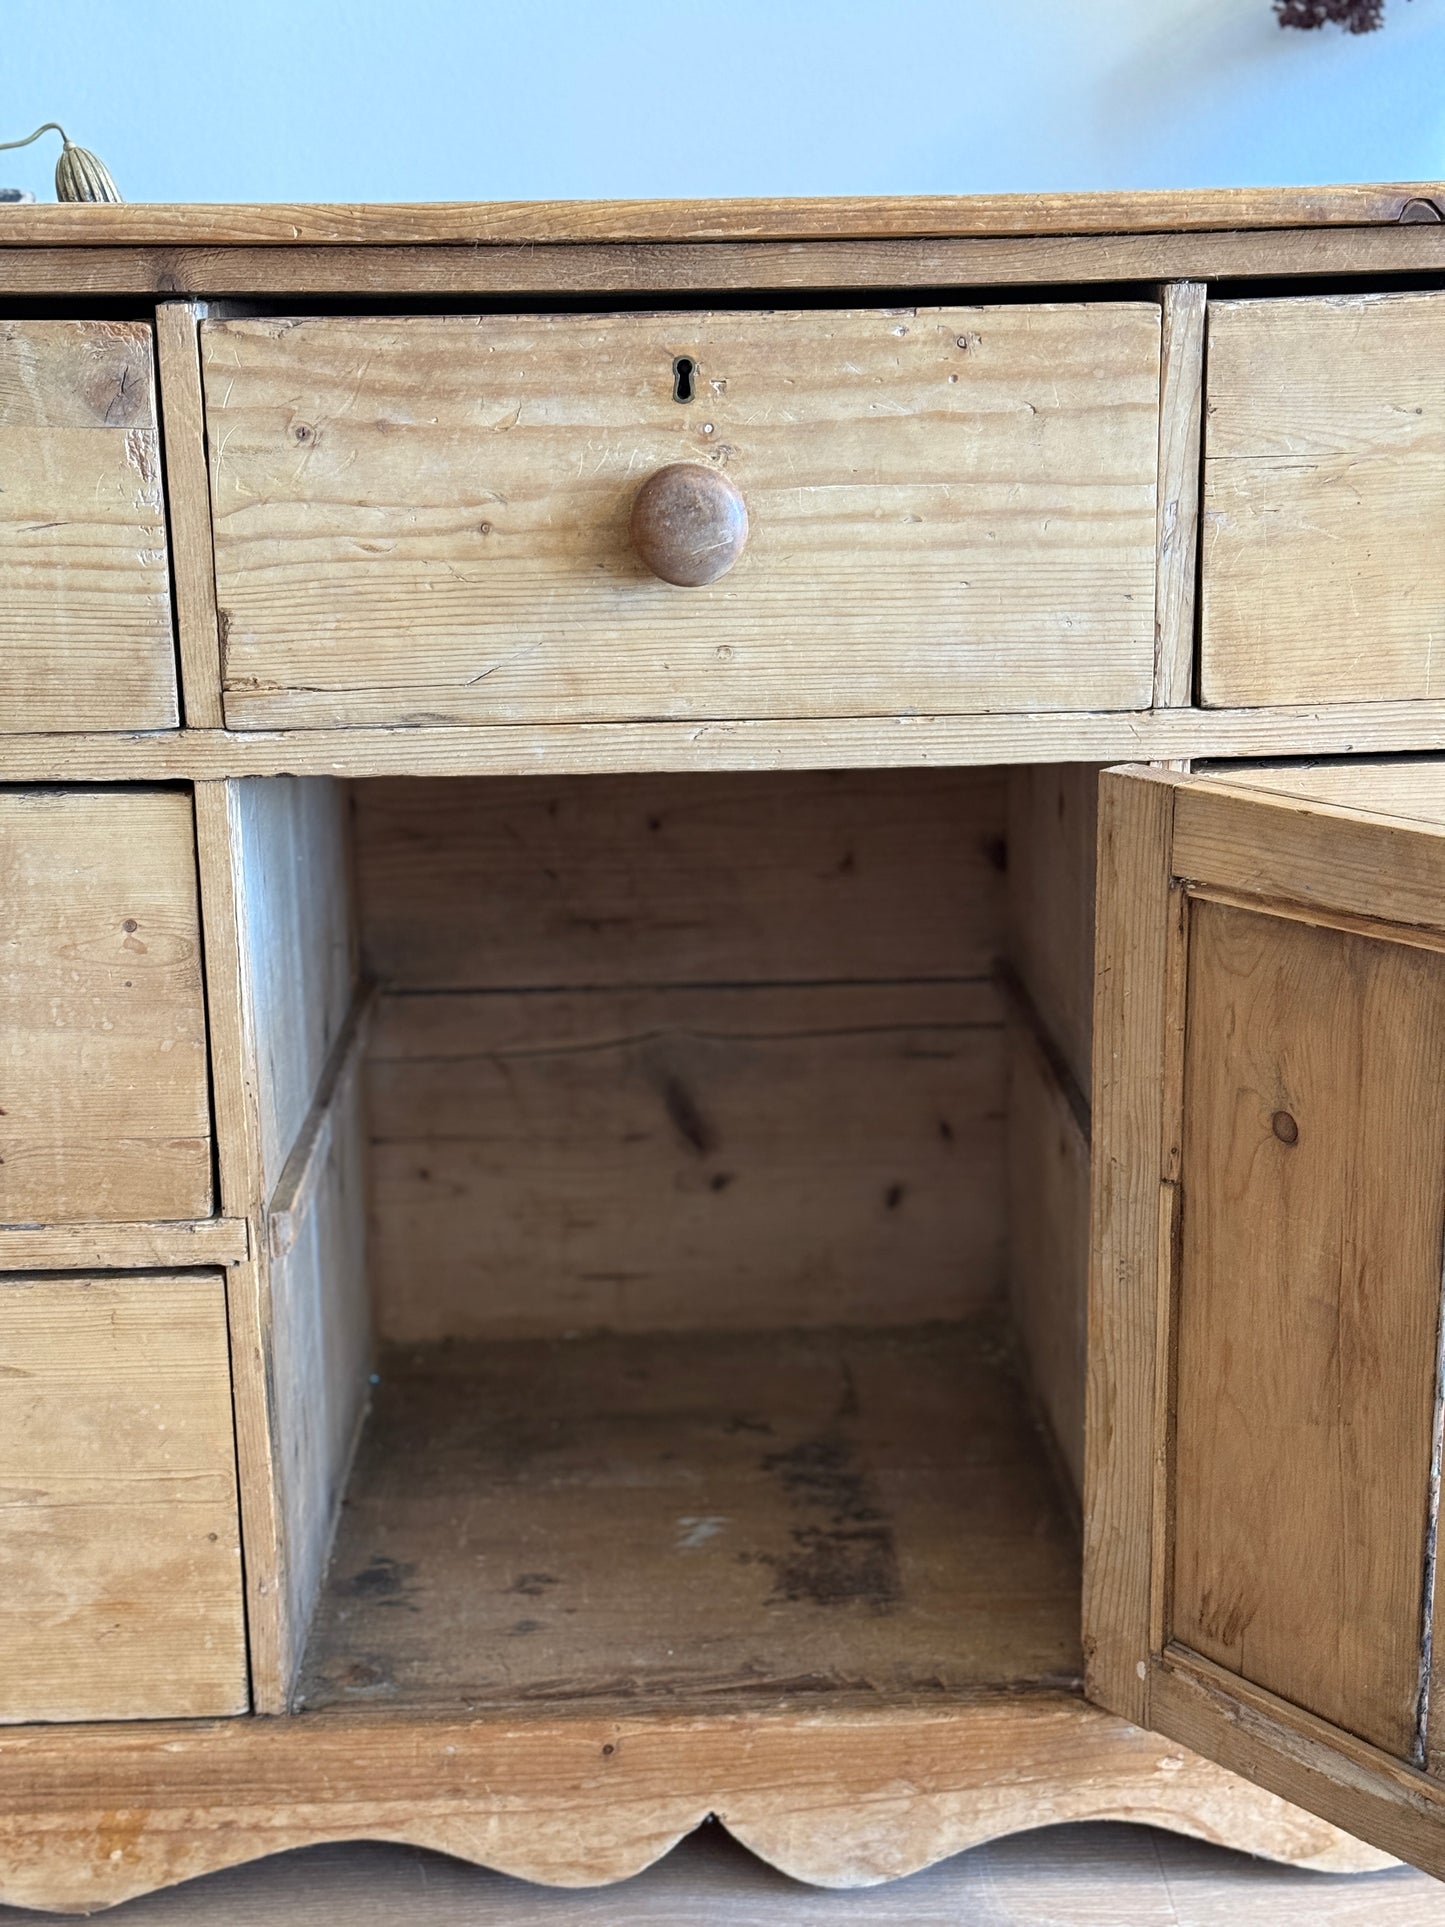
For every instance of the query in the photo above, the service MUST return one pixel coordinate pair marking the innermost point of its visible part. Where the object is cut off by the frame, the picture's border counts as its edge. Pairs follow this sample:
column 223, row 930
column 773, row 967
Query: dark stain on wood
column 686, row 1117
column 522, row 1525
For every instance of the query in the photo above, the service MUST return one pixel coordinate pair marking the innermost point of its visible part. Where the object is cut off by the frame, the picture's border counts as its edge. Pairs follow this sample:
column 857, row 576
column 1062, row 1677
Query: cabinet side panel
column 1048, row 1242
column 321, row 1349
column 1309, row 1296
column 1052, row 831
column 296, row 892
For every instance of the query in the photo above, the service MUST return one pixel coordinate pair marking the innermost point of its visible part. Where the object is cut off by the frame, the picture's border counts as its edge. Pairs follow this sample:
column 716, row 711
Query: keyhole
column 683, row 370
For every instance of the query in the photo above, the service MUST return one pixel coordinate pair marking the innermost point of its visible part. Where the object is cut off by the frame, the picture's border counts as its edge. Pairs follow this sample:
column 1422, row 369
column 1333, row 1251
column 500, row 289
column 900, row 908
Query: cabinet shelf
column 629, row 1523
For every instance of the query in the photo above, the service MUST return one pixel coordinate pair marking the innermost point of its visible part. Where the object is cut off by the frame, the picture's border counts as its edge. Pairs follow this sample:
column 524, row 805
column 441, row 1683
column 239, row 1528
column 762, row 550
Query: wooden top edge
column 482, row 223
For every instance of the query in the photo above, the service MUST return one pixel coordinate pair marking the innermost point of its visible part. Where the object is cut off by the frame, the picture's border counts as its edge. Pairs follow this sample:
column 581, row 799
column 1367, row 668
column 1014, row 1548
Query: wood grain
column 248, row 1296
column 85, row 618
column 305, row 1170
column 952, row 509
column 860, row 742
column 320, row 1352
column 1048, row 1244
column 1308, row 1303
column 188, row 500
column 685, row 1159
column 1181, row 401
column 1310, row 853
column 295, row 891
column 123, row 1247
column 1136, row 812
column 487, row 223
column 1413, row 788
column 281, row 957
column 102, row 1020
column 804, row 877
column 766, row 1519
column 668, row 271
column 1060, row 1876
column 118, row 1532
column 1301, row 1758
column 1322, row 491
column 1052, row 833
column 544, row 1799
column 1345, row 1637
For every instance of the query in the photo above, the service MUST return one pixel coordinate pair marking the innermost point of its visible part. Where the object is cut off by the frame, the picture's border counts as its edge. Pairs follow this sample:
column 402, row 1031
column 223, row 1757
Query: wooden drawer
column 103, row 1084
column 425, row 519
column 119, row 1535
column 85, row 608
column 1324, row 492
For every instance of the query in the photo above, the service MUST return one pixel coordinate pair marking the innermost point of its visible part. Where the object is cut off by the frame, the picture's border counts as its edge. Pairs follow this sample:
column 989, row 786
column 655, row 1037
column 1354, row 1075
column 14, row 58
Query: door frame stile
column 1121, row 1479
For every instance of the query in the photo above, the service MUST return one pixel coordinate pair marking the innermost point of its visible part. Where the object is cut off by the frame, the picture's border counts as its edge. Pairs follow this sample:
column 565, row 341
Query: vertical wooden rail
column 1181, row 398
column 188, row 491
column 238, row 1142
column 1131, row 1059
column 1429, row 1738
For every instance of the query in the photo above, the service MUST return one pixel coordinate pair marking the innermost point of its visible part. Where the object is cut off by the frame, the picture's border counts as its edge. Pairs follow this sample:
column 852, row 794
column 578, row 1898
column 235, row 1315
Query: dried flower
column 1355, row 16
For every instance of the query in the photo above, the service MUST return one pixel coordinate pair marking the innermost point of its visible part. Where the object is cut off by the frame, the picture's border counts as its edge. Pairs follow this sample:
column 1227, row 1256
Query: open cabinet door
column 1264, row 1420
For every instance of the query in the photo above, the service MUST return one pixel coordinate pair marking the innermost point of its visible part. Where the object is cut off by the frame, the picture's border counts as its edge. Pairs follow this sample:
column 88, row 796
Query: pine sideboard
column 632, row 1186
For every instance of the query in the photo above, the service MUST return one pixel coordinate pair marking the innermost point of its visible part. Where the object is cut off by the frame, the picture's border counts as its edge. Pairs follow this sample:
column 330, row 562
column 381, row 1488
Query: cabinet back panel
column 507, row 883
column 660, row 1160
column 683, row 1052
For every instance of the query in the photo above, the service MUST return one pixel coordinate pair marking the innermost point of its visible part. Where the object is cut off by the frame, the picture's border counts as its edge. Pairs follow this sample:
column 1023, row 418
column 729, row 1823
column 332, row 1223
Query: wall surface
column 466, row 99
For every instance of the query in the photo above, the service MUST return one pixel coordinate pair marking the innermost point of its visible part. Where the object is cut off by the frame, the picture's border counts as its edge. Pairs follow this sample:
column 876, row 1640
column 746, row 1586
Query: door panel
column 1262, row 1489
column 1308, row 1297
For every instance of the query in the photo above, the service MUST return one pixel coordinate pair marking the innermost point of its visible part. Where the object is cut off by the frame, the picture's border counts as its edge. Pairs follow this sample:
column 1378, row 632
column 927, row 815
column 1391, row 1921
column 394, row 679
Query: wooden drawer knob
column 689, row 524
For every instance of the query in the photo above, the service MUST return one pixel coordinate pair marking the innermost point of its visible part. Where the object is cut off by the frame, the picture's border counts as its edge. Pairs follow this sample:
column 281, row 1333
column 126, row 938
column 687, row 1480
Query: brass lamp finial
column 79, row 176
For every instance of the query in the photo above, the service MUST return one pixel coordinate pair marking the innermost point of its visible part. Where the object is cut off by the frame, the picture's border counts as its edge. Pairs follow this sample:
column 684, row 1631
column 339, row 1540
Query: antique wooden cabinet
column 556, row 1041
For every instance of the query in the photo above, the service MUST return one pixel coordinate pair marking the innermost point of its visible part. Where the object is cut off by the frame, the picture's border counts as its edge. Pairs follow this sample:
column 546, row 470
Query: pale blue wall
column 440, row 99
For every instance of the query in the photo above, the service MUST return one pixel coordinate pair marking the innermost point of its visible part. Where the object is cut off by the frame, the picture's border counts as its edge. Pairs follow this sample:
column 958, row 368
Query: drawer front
column 1324, row 494
column 426, row 519
column 85, row 607
column 104, row 1106
column 119, row 1535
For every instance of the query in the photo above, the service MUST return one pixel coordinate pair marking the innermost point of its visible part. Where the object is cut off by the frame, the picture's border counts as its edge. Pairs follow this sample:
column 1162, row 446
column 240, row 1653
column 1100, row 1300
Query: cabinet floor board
column 697, row 1523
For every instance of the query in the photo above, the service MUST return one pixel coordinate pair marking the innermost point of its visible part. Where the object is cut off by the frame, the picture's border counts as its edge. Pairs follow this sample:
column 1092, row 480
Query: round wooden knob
column 689, row 524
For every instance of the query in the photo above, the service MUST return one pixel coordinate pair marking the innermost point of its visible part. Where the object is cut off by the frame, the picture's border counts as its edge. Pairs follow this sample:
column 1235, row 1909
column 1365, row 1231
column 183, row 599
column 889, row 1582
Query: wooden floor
column 1080, row 1876
column 698, row 1521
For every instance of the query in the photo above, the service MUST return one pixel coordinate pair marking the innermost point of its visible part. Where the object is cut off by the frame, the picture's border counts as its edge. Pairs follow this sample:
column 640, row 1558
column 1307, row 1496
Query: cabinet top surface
column 862, row 218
